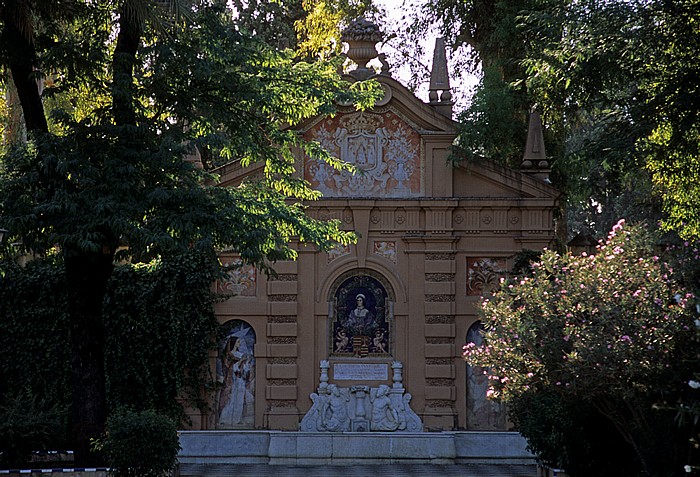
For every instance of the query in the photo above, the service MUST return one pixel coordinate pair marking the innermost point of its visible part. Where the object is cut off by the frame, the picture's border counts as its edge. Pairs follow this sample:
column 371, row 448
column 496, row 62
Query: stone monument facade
column 361, row 408
column 432, row 239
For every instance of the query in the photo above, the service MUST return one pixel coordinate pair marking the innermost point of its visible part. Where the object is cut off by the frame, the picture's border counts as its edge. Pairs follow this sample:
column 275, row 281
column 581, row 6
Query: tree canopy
column 132, row 93
column 616, row 84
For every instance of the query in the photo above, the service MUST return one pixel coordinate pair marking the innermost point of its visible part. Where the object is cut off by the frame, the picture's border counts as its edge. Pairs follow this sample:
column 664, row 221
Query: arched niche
column 482, row 413
column 235, row 374
column 361, row 315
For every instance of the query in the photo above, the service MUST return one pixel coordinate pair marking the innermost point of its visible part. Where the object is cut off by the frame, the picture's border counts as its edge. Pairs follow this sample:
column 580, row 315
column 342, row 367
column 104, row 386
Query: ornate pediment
column 384, row 148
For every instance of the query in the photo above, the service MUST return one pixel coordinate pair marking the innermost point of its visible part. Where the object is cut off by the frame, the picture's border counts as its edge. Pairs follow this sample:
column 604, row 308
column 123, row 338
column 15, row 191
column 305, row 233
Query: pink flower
column 618, row 226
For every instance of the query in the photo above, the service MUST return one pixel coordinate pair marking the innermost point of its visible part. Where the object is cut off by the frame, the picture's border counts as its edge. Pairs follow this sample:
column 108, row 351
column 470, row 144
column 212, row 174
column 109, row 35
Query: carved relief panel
column 484, row 274
column 386, row 250
column 240, row 278
column 338, row 251
column 384, row 148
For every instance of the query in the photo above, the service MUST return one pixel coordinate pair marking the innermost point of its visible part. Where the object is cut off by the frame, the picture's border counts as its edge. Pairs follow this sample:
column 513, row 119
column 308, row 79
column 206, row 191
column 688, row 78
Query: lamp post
column 3, row 232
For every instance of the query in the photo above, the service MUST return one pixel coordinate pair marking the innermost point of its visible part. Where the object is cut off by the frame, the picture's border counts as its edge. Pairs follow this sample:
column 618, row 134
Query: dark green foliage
column 620, row 80
column 160, row 323
column 616, row 83
column 140, row 444
column 33, row 327
column 523, row 260
column 30, row 422
column 595, row 351
column 111, row 172
column 494, row 126
column 579, row 436
column 489, row 40
column 582, row 76
column 34, row 356
column 270, row 22
column 572, row 435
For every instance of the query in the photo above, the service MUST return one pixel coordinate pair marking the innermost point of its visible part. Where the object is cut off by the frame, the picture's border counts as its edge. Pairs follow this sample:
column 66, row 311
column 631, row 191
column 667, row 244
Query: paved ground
column 389, row 470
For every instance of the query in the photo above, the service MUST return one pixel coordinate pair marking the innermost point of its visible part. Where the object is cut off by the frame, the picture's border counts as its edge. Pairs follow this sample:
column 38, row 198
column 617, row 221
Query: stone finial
column 362, row 36
column 439, row 91
column 535, row 156
column 325, row 366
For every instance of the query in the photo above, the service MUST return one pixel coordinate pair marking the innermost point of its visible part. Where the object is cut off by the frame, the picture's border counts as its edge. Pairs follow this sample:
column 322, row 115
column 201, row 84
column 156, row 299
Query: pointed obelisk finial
column 440, row 81
column 535, row 157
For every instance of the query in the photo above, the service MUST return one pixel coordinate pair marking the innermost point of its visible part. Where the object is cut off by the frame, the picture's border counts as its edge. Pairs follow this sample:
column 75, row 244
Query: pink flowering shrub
column 608, row 329
column 607, row 323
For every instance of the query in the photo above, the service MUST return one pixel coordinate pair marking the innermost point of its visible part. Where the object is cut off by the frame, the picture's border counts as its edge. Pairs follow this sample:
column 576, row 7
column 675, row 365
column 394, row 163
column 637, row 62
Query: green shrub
column 28, row 423
column 600, row 349
column 140, row 444
column 573, row 435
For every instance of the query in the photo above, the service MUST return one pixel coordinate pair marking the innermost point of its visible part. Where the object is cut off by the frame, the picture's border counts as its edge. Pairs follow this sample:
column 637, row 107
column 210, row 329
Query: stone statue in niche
column 360, row 326
column 236, row 376
column 343, row 409
column 483, row 414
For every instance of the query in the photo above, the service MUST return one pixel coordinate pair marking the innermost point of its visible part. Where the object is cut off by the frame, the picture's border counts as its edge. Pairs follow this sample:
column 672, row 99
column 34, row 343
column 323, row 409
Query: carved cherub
column 342, row 341
column 378, row 341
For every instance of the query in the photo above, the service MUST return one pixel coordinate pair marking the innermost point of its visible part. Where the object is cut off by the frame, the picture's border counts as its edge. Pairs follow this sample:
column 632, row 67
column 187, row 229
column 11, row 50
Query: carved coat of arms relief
column 385, row 153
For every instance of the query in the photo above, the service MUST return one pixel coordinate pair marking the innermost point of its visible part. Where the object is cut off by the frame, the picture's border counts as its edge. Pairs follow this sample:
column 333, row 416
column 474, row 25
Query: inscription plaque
column 361, row 371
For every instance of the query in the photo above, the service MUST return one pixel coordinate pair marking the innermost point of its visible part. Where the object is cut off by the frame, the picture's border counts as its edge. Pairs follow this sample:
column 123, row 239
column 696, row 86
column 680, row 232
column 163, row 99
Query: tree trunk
column 123, row 61
column 22, row 62
column 87, row 274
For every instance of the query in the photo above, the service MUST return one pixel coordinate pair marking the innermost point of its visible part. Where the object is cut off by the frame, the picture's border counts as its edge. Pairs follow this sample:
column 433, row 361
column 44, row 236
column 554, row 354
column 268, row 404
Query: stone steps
column 372, row 454
column 376, row 470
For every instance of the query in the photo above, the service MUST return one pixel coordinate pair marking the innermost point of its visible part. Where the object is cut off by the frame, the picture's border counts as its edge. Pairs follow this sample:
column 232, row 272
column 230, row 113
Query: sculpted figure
column 334, row 414
column 384, row 416
column 378, row 341
column 360, row 319
column 313, row 420
column 342, row 341
column 236, row 396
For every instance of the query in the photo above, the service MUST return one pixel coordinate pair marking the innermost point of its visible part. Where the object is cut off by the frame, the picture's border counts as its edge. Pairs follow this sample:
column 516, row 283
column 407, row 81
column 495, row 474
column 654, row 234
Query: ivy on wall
column 159, row 322
column 34, row 358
